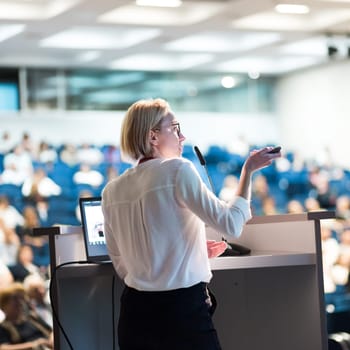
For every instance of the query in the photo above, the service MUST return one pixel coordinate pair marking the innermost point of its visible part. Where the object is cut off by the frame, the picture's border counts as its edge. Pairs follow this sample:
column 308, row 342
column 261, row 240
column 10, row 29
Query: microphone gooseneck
column 204, row 164
column 232, row 248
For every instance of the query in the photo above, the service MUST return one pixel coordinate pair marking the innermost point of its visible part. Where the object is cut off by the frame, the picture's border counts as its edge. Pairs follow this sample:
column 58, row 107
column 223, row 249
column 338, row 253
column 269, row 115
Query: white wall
column 314, row 111
column 201, row 129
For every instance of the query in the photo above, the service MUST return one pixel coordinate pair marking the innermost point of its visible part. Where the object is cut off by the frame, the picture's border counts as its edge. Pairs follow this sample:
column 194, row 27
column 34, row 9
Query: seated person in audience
column 330, row 255
column 9, row 244
column 19, row 162
column 68, row 154
column 86, row 175
column 320, row 181
column 82, row 194
column 229, row 188
column 112, row 173
column 24, row 265
column 11, row 176
column 39, row 187
column 295, row 207
column 22, row 328
column 46, row 153
column 9, row 213
column 6, row 143
column 269, row 206
column 31, row 220
column 37, row 292
column 39, row 244
column 342, row 266
column 6, row 279
column 88, row 154
column 342, row 207
column 112, row 154
column 312, row 204
column 28, row 144
column 260, row 187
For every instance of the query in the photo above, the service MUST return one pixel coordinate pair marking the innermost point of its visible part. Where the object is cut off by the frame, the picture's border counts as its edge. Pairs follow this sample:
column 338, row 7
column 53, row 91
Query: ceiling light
column 99, row 37
column 161, row 62
column 159, row 3
column 222, row 42
column 254, row 75
column 10, row 30
column 228, row 82
column 34, row 10
column 292, row 9
column 187, row 14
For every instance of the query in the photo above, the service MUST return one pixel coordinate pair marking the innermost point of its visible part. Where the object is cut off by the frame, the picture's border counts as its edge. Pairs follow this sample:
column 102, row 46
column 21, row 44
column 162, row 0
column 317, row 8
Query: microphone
column 233, row 249
column 204, row 164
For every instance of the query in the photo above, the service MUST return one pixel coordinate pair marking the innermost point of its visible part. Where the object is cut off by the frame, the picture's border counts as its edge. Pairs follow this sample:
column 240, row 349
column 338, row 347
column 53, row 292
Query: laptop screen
column 93, row 229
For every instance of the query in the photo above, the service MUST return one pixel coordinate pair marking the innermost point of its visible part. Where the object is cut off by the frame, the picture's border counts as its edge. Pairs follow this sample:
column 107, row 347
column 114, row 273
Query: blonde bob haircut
column 141, row 117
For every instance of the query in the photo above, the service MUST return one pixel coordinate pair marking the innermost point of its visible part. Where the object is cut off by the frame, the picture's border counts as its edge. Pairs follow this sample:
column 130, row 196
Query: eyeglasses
column 175, row 127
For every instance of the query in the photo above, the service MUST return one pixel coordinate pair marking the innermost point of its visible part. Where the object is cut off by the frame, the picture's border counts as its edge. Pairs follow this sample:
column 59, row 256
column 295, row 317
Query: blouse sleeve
column 191, row 192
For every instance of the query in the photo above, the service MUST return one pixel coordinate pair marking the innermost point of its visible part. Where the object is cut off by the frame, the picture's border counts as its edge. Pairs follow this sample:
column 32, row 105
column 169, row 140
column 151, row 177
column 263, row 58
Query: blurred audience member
column 9, row 244
column 229, row 188
column 86, row 175
column 37, row 292
column 330, row 255
column 22, row 328
column 46, row 153
column 312, row 204
column 111, row 173
column 295, row 207
column 111, row 154
column 28, row 144
column 342, row 207
column 269, row 206
column 260, row 187
column 17, row 164
column 6, row 143
column 39, row 187
column 89, row 154
column 322, row 192
column 39, row 244
column 24, row 265
column 9, row 213
column 82, row 194
column 342, row 267
column 68, row 154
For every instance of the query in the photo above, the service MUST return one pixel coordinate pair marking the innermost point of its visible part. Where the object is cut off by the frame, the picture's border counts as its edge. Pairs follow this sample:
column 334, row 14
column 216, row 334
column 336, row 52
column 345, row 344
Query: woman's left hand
column 215, row 248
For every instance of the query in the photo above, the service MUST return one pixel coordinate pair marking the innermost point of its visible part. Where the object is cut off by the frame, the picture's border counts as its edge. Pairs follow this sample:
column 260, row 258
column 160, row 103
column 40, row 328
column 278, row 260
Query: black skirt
column 169, row 320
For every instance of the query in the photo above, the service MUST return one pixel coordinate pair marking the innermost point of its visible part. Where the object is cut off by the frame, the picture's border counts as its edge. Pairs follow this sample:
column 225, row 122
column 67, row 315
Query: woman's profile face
column 169, row 137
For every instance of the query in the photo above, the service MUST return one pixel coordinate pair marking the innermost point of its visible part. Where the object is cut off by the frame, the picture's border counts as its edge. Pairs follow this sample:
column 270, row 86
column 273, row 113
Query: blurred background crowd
column 40, row 185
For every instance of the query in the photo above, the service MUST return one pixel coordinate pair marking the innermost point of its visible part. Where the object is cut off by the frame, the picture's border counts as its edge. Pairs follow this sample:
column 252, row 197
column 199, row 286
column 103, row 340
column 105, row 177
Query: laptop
column 93, row 229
